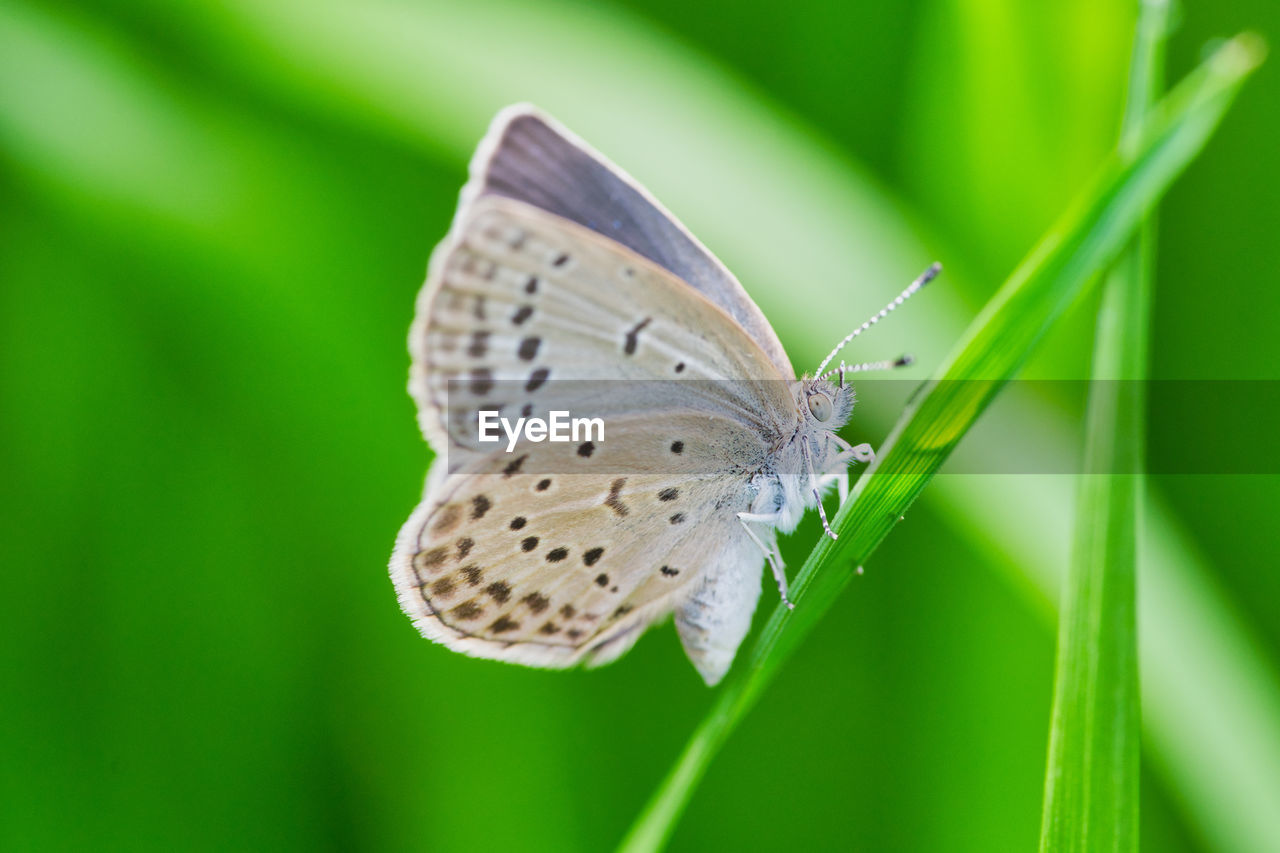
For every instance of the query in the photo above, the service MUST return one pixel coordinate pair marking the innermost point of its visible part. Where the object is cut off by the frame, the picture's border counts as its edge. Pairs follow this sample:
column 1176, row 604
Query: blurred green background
column 214, row 218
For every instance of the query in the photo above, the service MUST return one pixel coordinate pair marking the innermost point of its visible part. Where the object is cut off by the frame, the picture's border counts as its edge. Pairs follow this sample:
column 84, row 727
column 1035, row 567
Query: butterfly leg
column 858, row 453
column 817, row 490
column 841, row 479
column 770, row 554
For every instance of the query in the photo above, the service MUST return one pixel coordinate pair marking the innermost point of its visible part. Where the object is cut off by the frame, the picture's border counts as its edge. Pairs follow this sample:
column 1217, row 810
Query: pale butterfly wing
column 526, row 292
column 522, row 306
column 478, row 580
column 556, row 569
column 530, row 157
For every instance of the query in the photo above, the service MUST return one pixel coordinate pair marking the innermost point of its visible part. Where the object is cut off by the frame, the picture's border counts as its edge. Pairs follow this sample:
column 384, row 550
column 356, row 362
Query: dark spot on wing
column 471, row 574
column 568, row 611
column 467, row 610
column 586, row 448
column 668, row 494
column 680, row 367
column 479, row 506
column 549, row 628
column 536, row 379
column 442, row 588
column 447, row 518
column 479, row 345
column 499, row 591
column 622, row 611
column 593, row 556
column 543, row 485
column 465, row 545
column 561, row 260
column 481, row 381
column 431, row 560
column 518, row 522
column 537, row 601
column 524, row 312
column 527, row 410
column 678, row 518
column 531, row 286
column 573, row 633
column 614, row 501
column 602, row 580
column 529, row 348
column 529, row 543
column 503, row 624
column 513, row 467
column 677, row 447
column 629, row 347
column 669, row 572
column 557, row 554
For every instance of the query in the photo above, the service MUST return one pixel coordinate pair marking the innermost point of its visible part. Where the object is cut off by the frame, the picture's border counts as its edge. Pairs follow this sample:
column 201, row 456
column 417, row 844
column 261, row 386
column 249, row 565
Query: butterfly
column 562, row 285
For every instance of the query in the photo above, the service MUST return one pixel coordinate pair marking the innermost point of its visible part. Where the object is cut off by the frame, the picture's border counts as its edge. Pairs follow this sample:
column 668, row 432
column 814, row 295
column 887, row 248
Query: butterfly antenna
column 925, row 277
column 887, row 364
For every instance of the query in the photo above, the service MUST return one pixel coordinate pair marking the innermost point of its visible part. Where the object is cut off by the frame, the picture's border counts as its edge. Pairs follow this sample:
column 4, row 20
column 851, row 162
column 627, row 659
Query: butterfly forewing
column 520, row 301
column 530, row 157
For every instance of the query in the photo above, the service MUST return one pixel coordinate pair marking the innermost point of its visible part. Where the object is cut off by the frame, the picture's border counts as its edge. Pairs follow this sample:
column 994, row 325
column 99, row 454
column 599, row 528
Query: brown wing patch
column 572, row 557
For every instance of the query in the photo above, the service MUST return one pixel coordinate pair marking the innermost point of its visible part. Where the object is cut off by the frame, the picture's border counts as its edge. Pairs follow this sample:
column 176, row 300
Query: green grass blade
column 990, row 353
column 1091, row 781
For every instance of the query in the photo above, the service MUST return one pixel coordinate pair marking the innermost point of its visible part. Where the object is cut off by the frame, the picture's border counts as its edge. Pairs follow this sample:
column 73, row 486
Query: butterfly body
column 788, row 495
column 562, row 286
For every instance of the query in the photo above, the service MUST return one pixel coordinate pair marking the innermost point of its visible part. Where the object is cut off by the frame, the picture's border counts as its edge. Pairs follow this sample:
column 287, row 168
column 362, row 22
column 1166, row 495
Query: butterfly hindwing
column 565, row 564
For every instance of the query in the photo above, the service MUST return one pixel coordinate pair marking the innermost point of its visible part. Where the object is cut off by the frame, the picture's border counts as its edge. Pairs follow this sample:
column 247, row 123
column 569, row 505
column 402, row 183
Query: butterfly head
column 825, row 404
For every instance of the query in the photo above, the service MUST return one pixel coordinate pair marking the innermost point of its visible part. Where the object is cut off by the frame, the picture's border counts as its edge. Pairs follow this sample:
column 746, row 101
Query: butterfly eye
column 820, row 405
